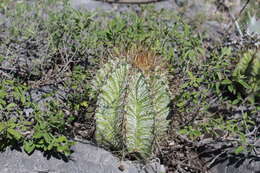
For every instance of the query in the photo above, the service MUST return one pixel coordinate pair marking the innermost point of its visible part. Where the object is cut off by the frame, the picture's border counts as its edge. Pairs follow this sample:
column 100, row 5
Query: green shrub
column 226, row 93
column 239, row 80
column 43, row 130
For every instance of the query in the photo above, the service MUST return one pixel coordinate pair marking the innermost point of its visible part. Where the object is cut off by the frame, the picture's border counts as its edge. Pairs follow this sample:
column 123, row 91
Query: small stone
column 121, row 167
column 181, row 3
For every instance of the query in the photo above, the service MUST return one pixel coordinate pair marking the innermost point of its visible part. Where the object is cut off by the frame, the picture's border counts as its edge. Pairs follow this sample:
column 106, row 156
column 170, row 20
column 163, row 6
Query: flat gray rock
column 237, row 166
column 86, row 158
column 90, row 5
column 93, row 5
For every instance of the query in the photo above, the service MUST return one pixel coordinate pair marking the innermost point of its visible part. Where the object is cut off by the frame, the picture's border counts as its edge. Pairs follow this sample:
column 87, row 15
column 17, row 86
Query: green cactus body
column 132, row 107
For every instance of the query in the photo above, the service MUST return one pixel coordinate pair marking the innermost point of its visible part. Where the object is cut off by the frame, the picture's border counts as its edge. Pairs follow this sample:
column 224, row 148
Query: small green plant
column 44, row 139
column 9, row 135
column 132, row 103
column 232, row 79
column 218, row 128
column 70, row 25
column 244, row 81
column 44, row 130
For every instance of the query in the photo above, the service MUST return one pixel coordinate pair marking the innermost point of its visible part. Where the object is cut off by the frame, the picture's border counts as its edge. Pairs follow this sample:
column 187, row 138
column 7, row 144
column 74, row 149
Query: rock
column 91, row 5
column 237, row 166
column 195, row 8
column 213, row 30
column 55, row 93
column 234, row 6
column 166, row 4
column 94, row 5
column 181, row 3
column 2, row 19
column 224, row 161
column 86, row 158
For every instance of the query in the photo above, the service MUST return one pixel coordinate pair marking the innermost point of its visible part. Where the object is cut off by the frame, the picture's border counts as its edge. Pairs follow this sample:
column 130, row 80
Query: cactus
column 253, row 26
column 132, row 104
column 247, row 73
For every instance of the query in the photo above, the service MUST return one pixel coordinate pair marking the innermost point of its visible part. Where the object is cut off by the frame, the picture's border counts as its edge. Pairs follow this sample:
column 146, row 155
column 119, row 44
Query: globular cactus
column 132, row 105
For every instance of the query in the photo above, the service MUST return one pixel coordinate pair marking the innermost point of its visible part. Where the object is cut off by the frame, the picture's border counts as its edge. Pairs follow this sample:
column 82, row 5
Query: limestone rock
column 86, row 158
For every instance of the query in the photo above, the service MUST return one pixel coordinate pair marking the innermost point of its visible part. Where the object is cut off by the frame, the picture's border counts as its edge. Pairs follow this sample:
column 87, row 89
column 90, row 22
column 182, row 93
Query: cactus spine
column 132, row 105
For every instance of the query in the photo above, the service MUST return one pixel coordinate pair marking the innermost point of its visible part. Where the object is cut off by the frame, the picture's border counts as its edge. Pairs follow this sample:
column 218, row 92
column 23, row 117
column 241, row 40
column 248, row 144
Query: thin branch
column 242, row 10
column 215, row 158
